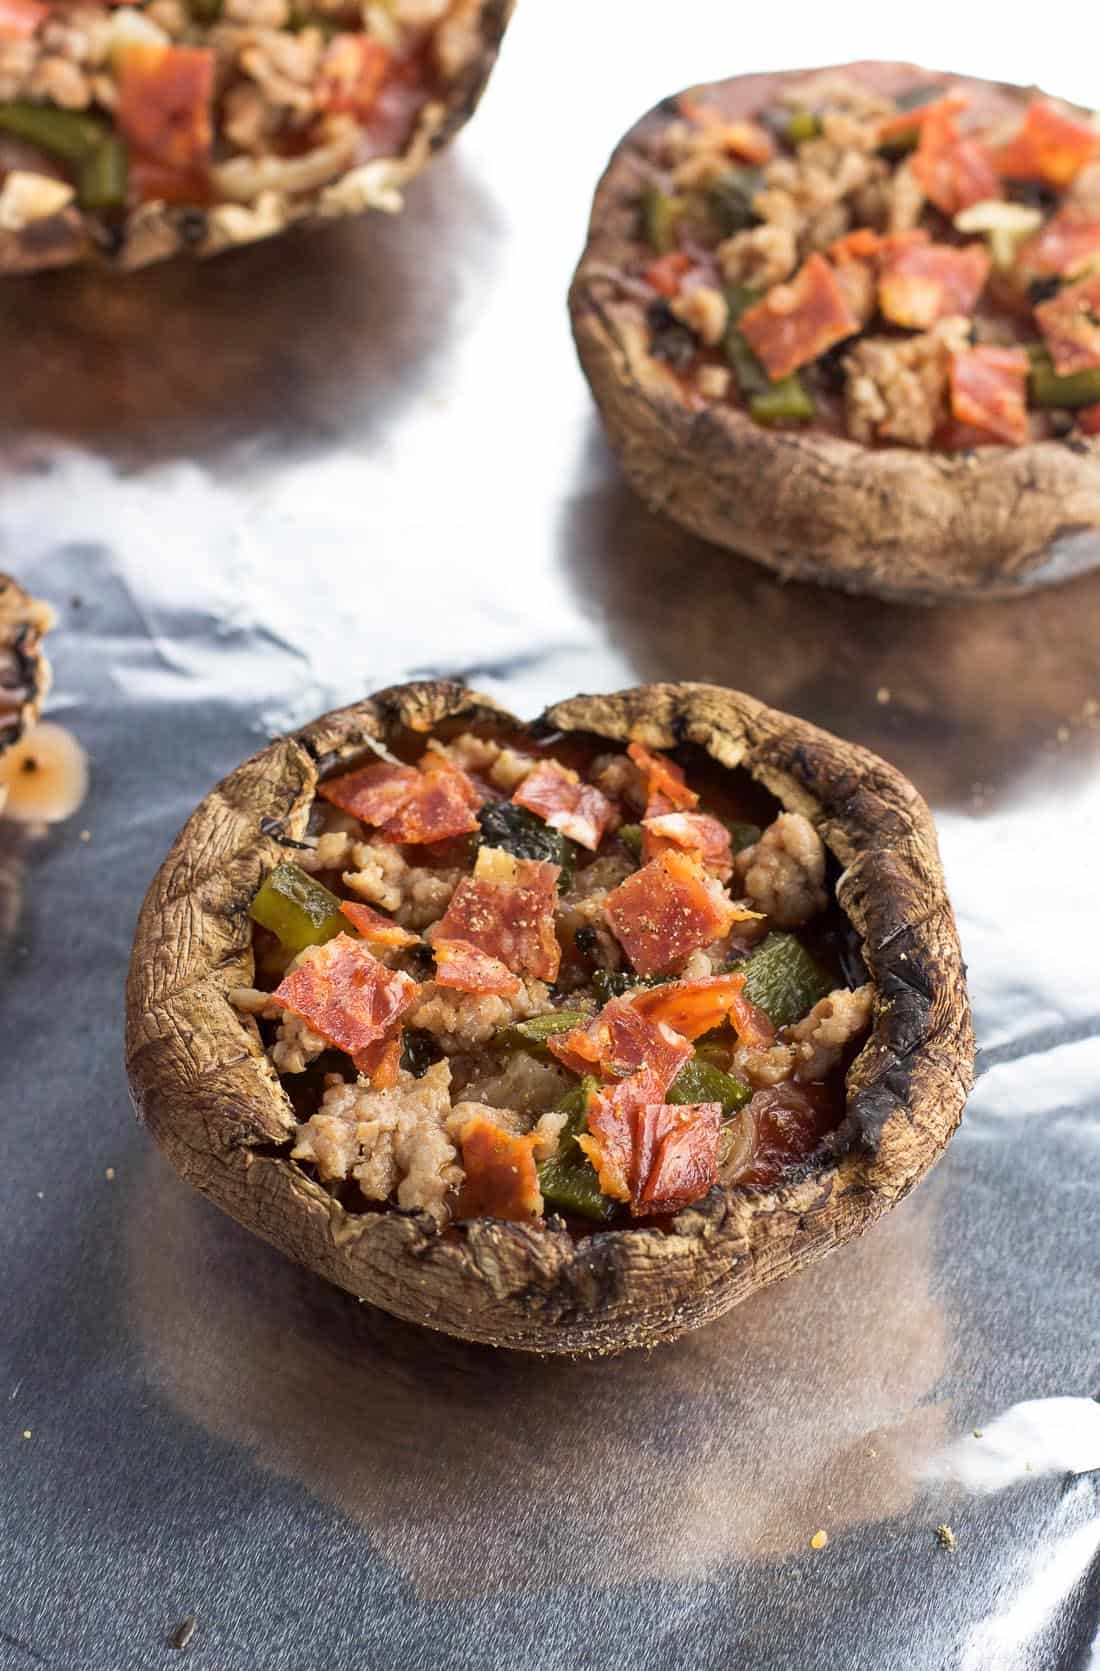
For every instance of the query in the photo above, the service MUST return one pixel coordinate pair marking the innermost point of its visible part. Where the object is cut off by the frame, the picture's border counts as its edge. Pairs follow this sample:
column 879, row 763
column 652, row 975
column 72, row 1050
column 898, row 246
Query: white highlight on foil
column 1040, row 1436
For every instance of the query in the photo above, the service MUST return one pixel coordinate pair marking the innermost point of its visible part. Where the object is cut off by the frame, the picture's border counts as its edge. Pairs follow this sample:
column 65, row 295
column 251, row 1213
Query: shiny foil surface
column 262, row 487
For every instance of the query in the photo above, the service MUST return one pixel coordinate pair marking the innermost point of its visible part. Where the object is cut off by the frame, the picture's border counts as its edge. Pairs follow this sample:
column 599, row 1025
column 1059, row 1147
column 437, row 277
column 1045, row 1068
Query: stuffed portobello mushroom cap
column 201, row 1081
column 242, row 189
column 896, row 520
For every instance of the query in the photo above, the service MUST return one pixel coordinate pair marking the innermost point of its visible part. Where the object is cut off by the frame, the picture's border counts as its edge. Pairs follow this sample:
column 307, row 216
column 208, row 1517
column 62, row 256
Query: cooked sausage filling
column 918, row 270
column 513, row 978
column 204, row 102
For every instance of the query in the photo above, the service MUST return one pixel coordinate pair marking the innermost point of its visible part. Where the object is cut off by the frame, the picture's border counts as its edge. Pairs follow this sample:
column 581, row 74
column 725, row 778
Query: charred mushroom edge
column 201, row 1082
column 918, row 526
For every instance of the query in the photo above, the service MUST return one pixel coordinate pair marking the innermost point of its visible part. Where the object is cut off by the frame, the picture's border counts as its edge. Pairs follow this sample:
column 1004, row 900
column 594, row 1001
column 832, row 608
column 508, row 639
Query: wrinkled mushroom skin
column 906, row 524
column 201, row 1081
column 155, row 231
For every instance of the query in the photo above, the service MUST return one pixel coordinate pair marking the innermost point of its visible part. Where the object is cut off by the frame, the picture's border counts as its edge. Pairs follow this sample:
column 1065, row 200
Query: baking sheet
column 262, row 487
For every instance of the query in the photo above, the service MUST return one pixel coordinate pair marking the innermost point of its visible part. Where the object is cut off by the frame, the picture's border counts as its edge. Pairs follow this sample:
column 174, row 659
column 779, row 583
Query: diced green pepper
column 701, row 1081
column 785, row 402
column 662, row 215
column 783, row 980
column 419, row 1051
column 803, row 125
column 1048, row 388
column 504, row 824
column 531, row 1035
column 730, row 199
column 914, row 97
column 742, row 835
column 296, row 908
column 63, row 133
column 607, row 985
column 568, row 1179
column 101, row 177
column 631, row 834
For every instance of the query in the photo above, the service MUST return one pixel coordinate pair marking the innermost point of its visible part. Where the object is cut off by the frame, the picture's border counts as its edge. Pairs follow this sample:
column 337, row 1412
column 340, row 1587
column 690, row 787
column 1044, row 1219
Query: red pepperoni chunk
column 1065, row 246
column 989, row 392
column 373, row 793
column 381, row 1062
column 1051, row 145
column 621, row 1040
column 692, row 832
column 667, row 273
column 789, row 1122
column 511, row 920
column 353, row 71
column 952, row 171
column 677, row 1155
column 912, row 121
column 920, row 283
column 609, row 1142
column 464, row 966
column 20, row 18
column 692, row 1008
column 667, row 910
column 665, row 786
column 502, row 1180
column 348, row 997
column 1070, row 323
column 165, row 96
column 1088, row 420
column 797, row 322
column 443, row 803
column 560, row 799
column 376, row 929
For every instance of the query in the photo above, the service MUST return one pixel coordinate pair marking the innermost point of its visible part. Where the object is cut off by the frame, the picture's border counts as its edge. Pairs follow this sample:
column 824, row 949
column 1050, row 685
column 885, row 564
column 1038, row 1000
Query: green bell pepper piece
column 419, row 1051
column 701, row 1081
column 296, row 908
column 729, row 199
column 662, row 215
column 785, row 401
column 607, row 985
column 631, row 834
column 504, row 824
column 67, row 134
column 532, row 1035
column 803, row 125
column 1047, row 388
column 568, row 1179
column 101, row 177
column 783, row 980
column 742, row 835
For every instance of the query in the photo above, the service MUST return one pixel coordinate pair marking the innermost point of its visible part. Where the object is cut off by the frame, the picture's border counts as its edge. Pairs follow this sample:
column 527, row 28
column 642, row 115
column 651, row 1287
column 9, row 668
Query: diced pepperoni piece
column 376, row 929
column 692, row 832
column 666, row 788
column 667, row 273
column 560, row 799
column 372, row 794
column 610, row 1140
column 1066, row 245
column 797, row 322
column 469, row 969
column 912, row 121
column 1070, row 323
column 1088, row 420
column 347, row 996
column 20, row 18
column 989, row 392
column 667, row 910
column 381, row 1062
column 789, row 1122
column 165, row 96
column 502, row 1180
column 353, row 71
column 748, row 141
column 443, row 803
column 920, row 283
column 953, row 172
column 621, row 1040
column 1051, row 145
column 692, row 1008
column 678, row 1156
column 861, row 245
column 513, row 919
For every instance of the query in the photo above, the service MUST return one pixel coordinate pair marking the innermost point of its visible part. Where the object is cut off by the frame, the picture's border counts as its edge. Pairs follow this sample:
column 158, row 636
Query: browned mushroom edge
column 155, row 232
column 24, row 670
column 202, row 1083
column 995, row 522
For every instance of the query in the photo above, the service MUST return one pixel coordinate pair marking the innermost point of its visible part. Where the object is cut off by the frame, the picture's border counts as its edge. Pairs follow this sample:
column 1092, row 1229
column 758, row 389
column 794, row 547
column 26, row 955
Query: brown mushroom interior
column 481, row 1116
